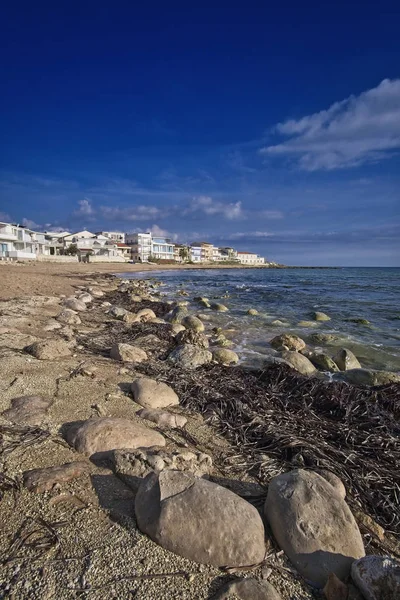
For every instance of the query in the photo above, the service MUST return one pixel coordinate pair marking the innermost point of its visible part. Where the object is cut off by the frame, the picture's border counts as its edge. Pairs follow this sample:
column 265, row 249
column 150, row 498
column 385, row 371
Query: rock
column 28, row 410
column 367, row 523
column 222, row 341
column 252, row 311
column 299, row 362
column 177, row 328
column 377, row 577
column 144, row 315
column 219, row 307
column 75, row 304
column 150, row 393
column 49, row 349
column 359, row 321
column 248, row 589
column 162, row 418
column 335, row 589
column 334, row 480
column 224, row 356
column 111, row 433
column 313, row 525
column 188, row 336
column 177, row 315
column 346, row 360
column 148, row 340
column 133, row 465
column 190, row 357
column 278, row 323
column 85, row 297
column 69, row 317
column 199, row 520
column 128, row 353
column 157, row 320
column 118, row 312
column 96, row 293
column 205, row 303
column 288, row 341
column 307, row 324
column 370, row 377
column 41, row 480
column 320, row 316
column 323, row 362
column 193, row 323
column 52, row 325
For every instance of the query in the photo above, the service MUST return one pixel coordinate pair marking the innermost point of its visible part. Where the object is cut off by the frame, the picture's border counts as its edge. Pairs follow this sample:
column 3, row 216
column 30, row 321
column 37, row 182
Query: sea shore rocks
column 346, row 360
column 370, row 377
column 42, row 480
column 288, row 341
column 153, row 394
column 299, row 362
column 69, row 317
column 320, row 316
column 28, row 410
column 51, row 349
column 128, row 353
column 223, row 356
column 189, row 336
column 193, row 323
column 75, row 304
column 377, row 577
column 162, row 418
column 248, row 589
column 190, row 357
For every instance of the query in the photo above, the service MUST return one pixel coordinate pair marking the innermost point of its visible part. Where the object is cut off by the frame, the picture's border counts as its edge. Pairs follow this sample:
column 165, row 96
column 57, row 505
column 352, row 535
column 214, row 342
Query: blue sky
column 275, row 129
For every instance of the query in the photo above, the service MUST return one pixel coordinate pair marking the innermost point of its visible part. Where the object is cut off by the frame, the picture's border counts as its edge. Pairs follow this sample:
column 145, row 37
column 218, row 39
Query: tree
column 184, row 253
column 72, row 250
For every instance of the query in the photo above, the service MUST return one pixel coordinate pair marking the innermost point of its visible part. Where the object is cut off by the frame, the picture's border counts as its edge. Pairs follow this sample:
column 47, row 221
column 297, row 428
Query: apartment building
column 162, row 248
column 207, row 251
column 18, row 242
column 89, row 243
column 250, row 258
column 117, row 236
column 195, row 253
column 140, row 246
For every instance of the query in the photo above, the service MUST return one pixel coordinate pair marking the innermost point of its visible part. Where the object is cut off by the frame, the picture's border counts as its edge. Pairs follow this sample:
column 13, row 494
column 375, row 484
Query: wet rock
column 219, row 307
column 323, row 362
column 128, row 353
column 75, row 304
column 193, row 323
column 323, row 338
column 41, row 480
column 117, row 311
column 144, row 315
column 205, row 303
column 223, row 356
column 176, row 315
column 346, row 360
column 279, row 323
column 150, row 393
column 320, row 316
column 359, row 321
column 299, row 362
column 49, row 349
column 307, row 324
column 252, row 311
column 162, row 418
column 69, row 317
column 188, row 336
column 313, row 525
column 190, row 357
column 288, row 341
column 247, row 589
column 199, row 520
column 370, row 377
column 111, row 433
column 28, row 410
column 222, row 341
column 377, row 577
column 177, row 328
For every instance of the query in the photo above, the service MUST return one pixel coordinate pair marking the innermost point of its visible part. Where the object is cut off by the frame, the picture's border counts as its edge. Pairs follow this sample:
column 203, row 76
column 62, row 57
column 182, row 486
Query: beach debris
column 36, row 535
column 28, row 410
column 150, row 393
column 69, row 317
column 8, row 483
column 288, row 341
column 128, row 353
column 189, row 336
column 224, row 356
column 74, row 304
column 346, row 360
column 13, row 437
column 299, row 362
column 189, row 356
column 313, row 525
column 377, row 577
column 199, row 520
column 49, row 349
column 219, row 307
column 162, row 418
column 110, row 433
column 247, row 589
column 370, row 377
column 193, row 323
column 320, row 316
column 41, row 480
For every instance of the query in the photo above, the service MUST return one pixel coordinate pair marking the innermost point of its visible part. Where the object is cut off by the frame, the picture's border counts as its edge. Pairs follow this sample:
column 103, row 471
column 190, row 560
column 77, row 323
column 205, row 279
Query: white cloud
column 210, row 207
column 358, row 130
column 30, row 224
column 85, row 208
column 158, row 231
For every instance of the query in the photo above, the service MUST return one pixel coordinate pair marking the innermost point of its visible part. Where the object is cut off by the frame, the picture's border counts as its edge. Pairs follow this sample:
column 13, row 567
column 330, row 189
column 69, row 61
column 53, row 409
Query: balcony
column 7, row 235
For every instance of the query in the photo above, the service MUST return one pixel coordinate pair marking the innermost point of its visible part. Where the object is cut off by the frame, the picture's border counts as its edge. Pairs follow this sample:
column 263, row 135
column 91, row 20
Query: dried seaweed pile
column 123, row 300
column 299, row 421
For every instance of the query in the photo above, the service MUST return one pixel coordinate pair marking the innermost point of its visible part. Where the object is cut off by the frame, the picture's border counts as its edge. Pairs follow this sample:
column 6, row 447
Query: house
column 54, row 242
column 18, row 242
column 250, row 258
column 124, row 250
column 206, row 252
column 140, row 244
column 195, row 252
column 88, row 243
column 228, row 254
column 117, row 236
column 162, row 248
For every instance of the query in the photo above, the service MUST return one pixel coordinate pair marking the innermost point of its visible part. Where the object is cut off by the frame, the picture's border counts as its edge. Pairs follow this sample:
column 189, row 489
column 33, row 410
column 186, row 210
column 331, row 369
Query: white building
column 250, row 258
column 117, row 236
column 162, row 248
column 88, row 244
column 18, row 242
column 140, row 244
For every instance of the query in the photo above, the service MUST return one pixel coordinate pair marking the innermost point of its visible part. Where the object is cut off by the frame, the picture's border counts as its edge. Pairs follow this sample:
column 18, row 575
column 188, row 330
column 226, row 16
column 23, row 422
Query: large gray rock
column 162, row 418
column 118, row 312
column 320, row 316
column 85, row 297
column 299, row 362
column 313, row 525
column 323, row 362
column 69, row 317
column 324, row 338
column 377, row 577
column 28, row 410
column 176, row 315
column 247, row 589
column 288, row 341
column 150, row 393
column 111, row 433
column 346, row 360
column 223, row 356
column 49, row 349
column 75, row 304
column 199, row 520
column 190, row 357
column 144, row 315
column 128, row 353
column 188, row 336
column 370, row 377
column 219, row 307
column 192, row 322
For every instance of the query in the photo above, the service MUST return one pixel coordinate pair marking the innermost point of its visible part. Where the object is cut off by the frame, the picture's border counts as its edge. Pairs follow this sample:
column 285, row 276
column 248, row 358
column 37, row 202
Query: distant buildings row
column 20, row 243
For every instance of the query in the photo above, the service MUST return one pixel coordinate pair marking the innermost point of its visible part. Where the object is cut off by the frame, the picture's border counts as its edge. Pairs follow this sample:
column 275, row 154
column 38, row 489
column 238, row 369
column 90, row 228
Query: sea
column 286, row 298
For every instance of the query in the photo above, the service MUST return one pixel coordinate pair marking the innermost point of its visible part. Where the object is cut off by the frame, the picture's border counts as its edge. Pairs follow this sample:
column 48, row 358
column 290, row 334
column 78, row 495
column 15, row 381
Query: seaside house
column 228, row 254
column 18, row 242
column 195, row 252
column 89, row 244
column 206, row 252
column 181, row 253
column 140, row 244
column 162, row 248
column 124, row 250
column 116, row 236
column 250, row 258
column 54, row 242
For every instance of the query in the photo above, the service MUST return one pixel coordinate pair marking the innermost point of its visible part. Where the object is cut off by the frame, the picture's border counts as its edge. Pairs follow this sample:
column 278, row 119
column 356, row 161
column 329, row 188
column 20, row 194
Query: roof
column 240, row 252
column 120, row 245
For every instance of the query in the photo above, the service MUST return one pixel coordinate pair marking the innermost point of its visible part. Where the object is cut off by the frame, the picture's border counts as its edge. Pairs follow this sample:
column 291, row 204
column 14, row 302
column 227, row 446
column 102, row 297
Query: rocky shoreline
column 137, row 459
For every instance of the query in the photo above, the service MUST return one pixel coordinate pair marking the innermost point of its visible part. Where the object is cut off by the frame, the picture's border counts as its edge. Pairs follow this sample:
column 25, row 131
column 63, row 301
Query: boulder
column 370, row 377
column 320, row 316
column 162, row 418
column 128, row 353
column 247, row 589
column 177, row 328
column 144, row 315
column 222, row 341
column 28, row 410
column 177, row 315
column 288, row 341
column 52, row 325
column 118, row 312
column 346, row 360
column 69, row 317
column 334, row 480
column 253, row 312
column 313, row 525
column 96, row 293
column 190, row 357
column 279, row 323
column 199, row 520
column 324, row 338
column 193, row 323
column 359, row 321
column 219, row 307
column 377, row 577
column 223, row 356
column 85, row 297
column 150, row 393
column 111, row 433
column 299, row 362
column 188, row 336
column 323, row 362
column 42, row 480
column 75, row 304
column 49, row 349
